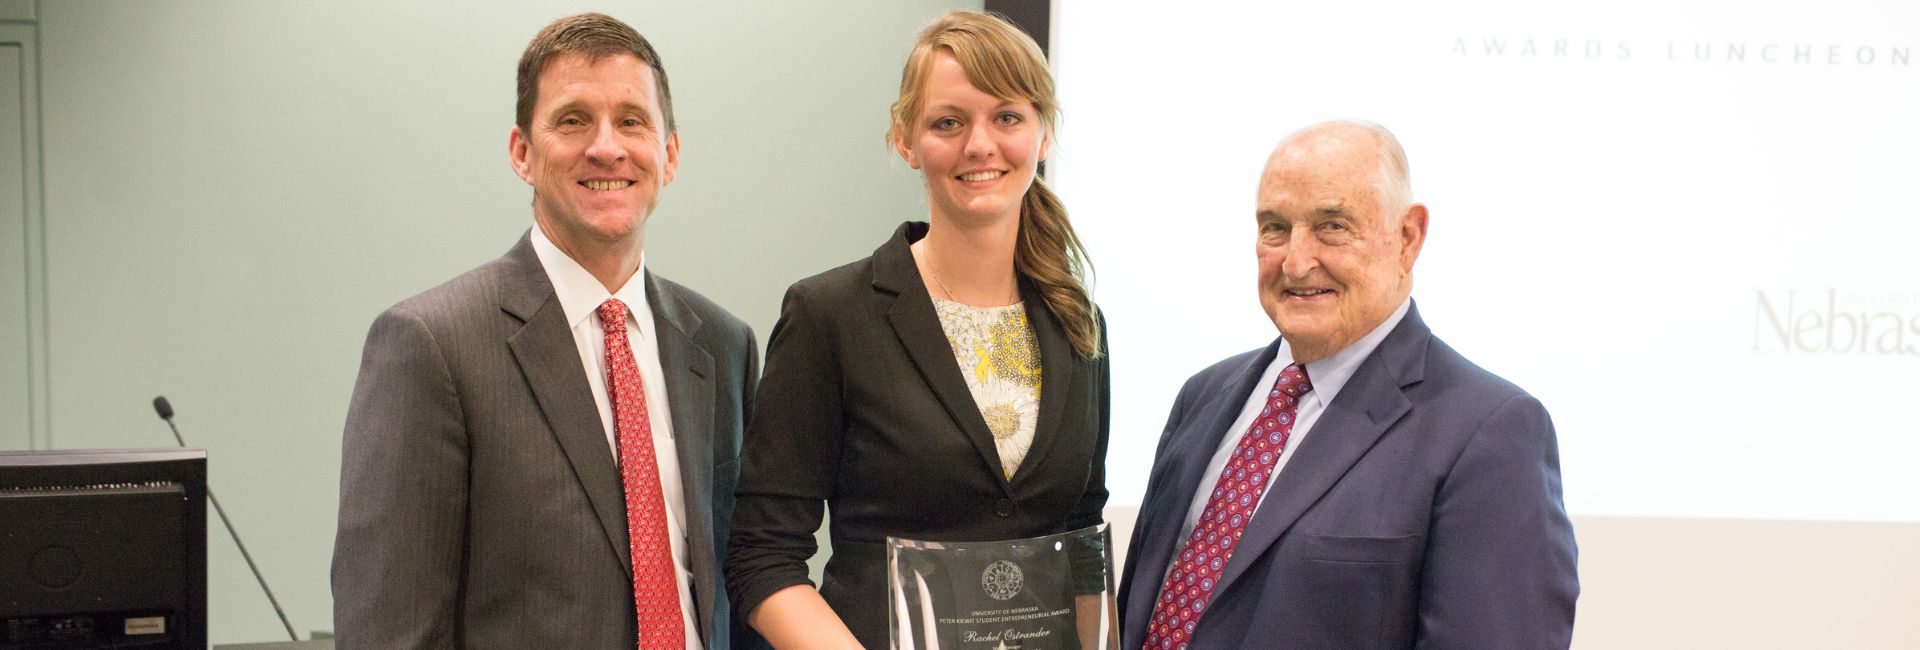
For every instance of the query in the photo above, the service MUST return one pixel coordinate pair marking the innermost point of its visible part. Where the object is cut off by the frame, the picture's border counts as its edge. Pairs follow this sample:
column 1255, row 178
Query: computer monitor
column 103, row 549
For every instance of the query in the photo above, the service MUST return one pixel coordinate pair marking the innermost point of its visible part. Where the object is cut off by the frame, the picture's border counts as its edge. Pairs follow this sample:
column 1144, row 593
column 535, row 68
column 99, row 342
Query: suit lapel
column 550, row 362
column 1188, row 453
column 688, row 369
column 918, row 328
column 1059, row 379
column 1367, row 406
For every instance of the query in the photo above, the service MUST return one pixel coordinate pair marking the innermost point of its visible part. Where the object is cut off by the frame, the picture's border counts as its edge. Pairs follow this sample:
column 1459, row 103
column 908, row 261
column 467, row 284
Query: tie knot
column 613, row 313
column 1293, row 380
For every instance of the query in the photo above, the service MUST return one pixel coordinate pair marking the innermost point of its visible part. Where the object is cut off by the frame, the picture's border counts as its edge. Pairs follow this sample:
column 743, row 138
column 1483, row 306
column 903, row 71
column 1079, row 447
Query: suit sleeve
column 742, row 636
column 1090, row 573
column 1091, row 508
column 750, row 390
column 398, row 554
column 788, row 458
column 1500, row 569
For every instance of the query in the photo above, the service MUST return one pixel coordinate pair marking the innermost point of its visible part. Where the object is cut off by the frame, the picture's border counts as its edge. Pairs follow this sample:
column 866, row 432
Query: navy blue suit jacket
column 1424, row 510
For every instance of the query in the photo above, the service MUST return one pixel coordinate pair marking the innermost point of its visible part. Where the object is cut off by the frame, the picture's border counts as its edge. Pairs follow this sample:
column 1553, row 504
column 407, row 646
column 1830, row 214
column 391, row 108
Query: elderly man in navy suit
column 1356, row 483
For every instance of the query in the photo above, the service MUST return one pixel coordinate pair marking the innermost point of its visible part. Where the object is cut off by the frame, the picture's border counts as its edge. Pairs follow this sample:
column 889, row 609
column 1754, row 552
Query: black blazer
column 863, row 408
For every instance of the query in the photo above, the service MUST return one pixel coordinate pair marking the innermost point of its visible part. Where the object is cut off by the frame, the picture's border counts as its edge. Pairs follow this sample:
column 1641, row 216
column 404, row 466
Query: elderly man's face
column 1333, row 263
column 597, row 154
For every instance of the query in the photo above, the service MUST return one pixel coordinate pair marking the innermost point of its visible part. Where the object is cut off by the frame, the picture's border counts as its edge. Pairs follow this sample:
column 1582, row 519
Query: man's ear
column 900, row 146
column 518, row 148
column 1413, row 234
column 672, row 165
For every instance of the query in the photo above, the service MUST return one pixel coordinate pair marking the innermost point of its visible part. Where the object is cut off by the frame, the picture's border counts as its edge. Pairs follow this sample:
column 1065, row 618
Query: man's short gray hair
column 1394, row 182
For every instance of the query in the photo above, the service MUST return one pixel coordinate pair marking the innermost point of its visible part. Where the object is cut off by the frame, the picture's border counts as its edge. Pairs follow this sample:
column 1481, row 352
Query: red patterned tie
column 656, row 592
column 1184, row 595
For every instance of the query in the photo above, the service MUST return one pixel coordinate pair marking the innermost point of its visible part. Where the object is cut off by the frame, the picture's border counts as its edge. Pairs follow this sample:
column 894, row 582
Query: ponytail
column 1049, row 254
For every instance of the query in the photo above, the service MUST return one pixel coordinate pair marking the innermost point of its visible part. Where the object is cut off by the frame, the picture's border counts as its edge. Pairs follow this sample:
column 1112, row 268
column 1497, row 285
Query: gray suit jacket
column 479, row 503
column 1423, row 511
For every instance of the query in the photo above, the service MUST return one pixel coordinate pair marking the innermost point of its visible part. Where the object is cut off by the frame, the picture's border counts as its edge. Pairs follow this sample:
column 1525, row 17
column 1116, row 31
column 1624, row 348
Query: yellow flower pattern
column 997, row 346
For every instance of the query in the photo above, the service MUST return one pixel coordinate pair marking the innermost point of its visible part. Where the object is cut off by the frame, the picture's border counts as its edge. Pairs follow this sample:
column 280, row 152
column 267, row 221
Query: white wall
column 1759, row 585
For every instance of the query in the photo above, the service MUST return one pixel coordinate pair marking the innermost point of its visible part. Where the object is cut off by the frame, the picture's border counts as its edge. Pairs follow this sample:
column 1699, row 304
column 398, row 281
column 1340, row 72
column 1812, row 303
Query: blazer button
column 1003, row 507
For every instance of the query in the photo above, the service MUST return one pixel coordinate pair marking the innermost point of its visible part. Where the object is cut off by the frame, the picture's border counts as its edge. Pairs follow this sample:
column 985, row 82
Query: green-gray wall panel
column 235, row 189
column 15, row 383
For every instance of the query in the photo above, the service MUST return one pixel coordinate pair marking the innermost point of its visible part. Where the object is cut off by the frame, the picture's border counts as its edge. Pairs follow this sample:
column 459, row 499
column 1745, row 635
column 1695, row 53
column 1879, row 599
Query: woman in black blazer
column 900, row 389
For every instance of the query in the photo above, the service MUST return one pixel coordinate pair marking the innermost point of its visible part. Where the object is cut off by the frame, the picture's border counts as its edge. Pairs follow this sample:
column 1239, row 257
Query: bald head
column 1338, row 235
column 1354, row 144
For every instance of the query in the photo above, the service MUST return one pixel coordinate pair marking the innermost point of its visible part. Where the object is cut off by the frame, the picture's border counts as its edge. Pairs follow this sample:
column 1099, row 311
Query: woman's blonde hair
column 1003, row 61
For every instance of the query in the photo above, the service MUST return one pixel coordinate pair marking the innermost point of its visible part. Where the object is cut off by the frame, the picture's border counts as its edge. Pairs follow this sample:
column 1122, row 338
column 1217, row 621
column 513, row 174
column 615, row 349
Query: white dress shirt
column 580, row 296
column 1327, row 375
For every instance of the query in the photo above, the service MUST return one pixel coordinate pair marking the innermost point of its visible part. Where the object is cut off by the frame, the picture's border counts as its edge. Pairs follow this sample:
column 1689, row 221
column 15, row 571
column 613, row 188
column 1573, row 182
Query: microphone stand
column 165, row 410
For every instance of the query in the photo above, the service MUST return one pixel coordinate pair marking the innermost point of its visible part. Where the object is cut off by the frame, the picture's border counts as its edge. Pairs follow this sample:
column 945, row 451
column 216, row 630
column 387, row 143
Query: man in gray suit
column 542, row 452
column 1356, row 483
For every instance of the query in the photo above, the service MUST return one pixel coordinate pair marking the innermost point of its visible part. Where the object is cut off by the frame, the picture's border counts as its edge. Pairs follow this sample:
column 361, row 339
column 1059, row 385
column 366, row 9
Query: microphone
column 165, row 409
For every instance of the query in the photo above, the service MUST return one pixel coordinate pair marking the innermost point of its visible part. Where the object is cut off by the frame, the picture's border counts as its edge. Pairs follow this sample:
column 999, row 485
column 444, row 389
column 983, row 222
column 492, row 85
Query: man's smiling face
column 598, row 152
column 1335, row 250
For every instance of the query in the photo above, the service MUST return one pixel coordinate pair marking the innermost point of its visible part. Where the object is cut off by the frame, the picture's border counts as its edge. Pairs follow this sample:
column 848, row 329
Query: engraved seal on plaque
column 1002, row 580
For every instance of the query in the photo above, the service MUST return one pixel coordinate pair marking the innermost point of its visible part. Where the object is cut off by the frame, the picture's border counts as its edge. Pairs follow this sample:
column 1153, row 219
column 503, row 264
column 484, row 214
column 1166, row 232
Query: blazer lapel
column 919, row 331
column 688, row 369
column 1370, row 403
column 550, row 362
column 1188, row 453
column 1059, row 379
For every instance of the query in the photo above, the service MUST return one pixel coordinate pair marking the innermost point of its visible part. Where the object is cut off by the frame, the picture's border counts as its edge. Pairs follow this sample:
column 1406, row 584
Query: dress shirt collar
column 581, row 294
column 1329, row 375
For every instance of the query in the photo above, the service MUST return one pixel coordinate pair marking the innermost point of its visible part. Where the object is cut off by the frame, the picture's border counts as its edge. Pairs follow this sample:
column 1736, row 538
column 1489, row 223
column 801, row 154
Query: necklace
column 1011, row 298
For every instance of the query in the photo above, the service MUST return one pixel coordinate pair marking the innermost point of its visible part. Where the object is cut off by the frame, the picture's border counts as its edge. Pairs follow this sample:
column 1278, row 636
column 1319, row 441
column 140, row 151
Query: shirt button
column 1003, row 507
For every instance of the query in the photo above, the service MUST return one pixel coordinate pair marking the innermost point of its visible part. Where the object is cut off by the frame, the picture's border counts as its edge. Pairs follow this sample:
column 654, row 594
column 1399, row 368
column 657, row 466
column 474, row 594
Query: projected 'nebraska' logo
column 1836, row 323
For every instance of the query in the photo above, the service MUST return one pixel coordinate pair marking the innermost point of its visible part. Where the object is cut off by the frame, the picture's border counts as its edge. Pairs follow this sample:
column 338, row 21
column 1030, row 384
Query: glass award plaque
column 1044, row 593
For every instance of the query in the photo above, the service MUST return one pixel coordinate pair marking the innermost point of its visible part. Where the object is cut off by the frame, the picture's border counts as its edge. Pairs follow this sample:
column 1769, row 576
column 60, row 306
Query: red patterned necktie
column 656, row 591
column 1189, row 586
